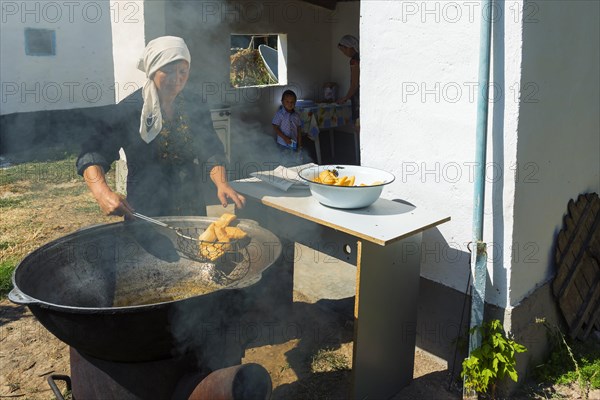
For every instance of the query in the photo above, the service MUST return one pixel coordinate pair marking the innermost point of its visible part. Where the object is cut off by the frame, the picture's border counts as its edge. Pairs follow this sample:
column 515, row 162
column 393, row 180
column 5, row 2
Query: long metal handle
column 157, row 222
column 151, row 220
column 54, row 387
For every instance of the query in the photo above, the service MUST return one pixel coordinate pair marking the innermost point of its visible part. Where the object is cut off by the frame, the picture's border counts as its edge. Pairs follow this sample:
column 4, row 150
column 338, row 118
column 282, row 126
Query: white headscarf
column 158, row 53
column 349, row 41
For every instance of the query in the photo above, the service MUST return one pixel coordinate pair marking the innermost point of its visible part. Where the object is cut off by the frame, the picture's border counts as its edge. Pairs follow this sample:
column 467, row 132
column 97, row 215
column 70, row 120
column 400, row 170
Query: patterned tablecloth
column 323, row 116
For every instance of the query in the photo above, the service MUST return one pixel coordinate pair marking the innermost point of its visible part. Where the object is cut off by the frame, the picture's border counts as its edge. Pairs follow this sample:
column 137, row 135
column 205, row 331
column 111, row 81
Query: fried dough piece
column 221, row 233
column 209, row 234
column 233, row 232
column 222, row 238
column 225, row 220
column 211, row 251
column 327, row 177
column 215, row 240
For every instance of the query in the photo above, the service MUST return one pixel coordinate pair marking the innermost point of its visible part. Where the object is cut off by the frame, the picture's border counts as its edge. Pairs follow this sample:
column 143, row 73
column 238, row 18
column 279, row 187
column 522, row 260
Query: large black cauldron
column 73, row 284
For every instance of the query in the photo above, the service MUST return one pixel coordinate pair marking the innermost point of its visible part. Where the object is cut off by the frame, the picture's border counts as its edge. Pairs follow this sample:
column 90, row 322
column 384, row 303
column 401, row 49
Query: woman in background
column 348, row 45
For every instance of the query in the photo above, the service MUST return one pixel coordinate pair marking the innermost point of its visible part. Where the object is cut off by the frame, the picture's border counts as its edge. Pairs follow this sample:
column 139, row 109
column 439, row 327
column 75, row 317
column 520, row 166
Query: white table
column 384, row 242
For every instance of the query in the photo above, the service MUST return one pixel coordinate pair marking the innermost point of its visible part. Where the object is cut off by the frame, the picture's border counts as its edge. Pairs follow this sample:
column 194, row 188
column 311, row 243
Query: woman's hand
column 113, row 203
column 110, row 203
column 342, row 100
column 282, row 135
column 224, row 191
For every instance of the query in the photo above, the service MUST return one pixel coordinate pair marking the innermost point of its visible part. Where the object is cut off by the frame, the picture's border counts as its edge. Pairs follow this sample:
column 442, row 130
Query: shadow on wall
column 35, row 135
column 443, row 312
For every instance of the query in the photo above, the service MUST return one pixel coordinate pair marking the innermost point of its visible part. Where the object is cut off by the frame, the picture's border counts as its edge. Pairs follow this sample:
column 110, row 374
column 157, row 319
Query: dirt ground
column 29, row 354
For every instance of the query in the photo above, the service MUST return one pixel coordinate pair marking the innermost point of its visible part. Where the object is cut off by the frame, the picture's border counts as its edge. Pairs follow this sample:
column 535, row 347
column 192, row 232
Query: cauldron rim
column 140, row 332
column 18, row 296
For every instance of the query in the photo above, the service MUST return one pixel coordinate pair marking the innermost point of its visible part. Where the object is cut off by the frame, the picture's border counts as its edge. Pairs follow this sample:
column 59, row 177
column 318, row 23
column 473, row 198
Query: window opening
column 257, row 60
column 40, row 42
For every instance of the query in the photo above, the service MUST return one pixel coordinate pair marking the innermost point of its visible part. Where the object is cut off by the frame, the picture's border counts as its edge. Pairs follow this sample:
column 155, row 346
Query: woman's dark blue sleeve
column 106, row 133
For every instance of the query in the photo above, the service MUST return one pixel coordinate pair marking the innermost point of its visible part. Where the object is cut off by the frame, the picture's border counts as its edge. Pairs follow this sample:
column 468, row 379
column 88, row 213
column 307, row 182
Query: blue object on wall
column 479, row 260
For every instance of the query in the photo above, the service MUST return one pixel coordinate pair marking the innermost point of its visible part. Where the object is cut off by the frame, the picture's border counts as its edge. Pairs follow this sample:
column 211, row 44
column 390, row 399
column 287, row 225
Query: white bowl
column 347, row 196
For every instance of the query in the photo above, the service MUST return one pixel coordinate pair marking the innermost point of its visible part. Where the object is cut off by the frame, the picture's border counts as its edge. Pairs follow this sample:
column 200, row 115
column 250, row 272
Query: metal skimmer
column 233, row 264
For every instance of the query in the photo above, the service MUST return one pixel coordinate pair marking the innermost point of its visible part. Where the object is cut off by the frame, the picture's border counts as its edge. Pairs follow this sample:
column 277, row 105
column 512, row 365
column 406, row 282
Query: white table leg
column 385, row 315
column 318, row 149
column 331, row 143
column 356, row 148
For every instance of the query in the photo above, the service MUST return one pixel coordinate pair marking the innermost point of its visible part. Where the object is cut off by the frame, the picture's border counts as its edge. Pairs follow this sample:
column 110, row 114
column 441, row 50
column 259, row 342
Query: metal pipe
column 479, row 261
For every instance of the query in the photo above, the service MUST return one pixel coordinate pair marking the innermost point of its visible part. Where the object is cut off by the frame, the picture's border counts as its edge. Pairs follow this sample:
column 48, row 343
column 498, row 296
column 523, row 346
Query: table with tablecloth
column 323, row 116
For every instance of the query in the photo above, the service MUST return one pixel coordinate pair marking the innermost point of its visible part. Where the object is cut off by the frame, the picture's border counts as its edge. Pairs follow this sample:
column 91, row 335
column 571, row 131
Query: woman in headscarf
column 348, row 45
column 168, row 139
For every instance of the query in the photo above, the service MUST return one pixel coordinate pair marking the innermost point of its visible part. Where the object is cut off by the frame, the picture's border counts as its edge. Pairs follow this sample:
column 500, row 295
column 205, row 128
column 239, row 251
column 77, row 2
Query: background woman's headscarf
column 158, row 53
column 349, row 41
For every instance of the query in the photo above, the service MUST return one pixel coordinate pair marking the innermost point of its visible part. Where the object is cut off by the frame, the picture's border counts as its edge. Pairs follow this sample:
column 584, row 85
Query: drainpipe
column 479, row 261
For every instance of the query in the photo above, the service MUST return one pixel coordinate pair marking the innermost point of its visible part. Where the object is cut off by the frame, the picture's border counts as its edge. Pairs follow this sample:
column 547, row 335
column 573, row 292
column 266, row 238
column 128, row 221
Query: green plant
column 570, row 361
column 248, row 69
column 6, row 269
column 488, row 364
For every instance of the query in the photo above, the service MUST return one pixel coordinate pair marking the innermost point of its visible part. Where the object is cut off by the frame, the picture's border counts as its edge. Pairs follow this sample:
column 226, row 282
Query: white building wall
column 79, row 75
column 129, row 40
column 419, row 63
column 154, row 19
column 559, row 132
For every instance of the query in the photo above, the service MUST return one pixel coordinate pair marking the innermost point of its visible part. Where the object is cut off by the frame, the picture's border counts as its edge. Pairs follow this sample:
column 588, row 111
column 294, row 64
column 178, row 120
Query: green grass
column 44, row 172
column 10, row 202
column 36, row 179
column 561, row 370
column 6, row 269
column 64, row 191
column 571, row 362
column 327, row 360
